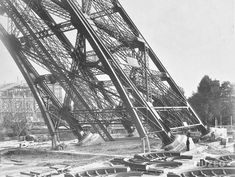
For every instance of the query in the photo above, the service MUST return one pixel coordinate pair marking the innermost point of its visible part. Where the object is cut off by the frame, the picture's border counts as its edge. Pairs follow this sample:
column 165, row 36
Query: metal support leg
column 53, row 141
column 145, row 144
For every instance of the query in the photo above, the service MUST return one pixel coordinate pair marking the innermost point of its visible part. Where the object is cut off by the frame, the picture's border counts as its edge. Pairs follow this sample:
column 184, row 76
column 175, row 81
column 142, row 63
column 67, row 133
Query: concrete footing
column 91, row 139
column 179, row 144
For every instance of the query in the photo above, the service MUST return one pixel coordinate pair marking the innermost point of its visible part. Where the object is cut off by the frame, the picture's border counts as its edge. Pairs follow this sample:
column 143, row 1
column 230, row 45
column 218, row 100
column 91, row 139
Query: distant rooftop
column 9, row 86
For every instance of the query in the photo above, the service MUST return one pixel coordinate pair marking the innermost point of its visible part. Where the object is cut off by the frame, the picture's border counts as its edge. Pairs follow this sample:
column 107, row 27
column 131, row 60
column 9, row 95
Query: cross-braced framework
column 105, row 66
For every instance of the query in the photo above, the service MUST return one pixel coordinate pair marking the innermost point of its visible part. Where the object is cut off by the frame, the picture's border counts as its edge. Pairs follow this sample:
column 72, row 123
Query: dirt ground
column 39, row 156
column 26, row 160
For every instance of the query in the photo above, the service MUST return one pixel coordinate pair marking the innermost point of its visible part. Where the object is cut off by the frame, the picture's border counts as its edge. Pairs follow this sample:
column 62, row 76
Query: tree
column 213, row 101
column 18, row 123
column 227, row 102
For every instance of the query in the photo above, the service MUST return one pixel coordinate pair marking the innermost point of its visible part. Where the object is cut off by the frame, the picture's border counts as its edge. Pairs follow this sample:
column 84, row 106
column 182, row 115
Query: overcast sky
column 192, row 38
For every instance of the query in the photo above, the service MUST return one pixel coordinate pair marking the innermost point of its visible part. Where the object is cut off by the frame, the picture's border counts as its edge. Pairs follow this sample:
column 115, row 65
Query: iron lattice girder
column 49, row 21
column 45, row 16
column 57, row 110
column 54, row 111
column 47, row 32
column 171, row 83
column 114, row 37
column 114, row 69
column 9, row 42
column 55, row 66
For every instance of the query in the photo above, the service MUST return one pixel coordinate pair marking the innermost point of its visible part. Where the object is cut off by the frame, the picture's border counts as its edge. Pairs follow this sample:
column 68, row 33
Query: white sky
column 192, row 38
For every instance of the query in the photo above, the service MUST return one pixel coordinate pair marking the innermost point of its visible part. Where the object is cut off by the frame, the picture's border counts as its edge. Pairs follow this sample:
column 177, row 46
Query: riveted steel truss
column 107, row 69
column 54, row 113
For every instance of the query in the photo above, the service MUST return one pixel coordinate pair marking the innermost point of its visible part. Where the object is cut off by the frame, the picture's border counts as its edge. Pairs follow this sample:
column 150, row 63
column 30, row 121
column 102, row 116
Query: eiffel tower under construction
column 107, row 70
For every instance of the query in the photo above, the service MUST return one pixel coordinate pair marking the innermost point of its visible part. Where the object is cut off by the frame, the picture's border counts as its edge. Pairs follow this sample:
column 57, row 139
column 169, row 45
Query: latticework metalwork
column 105, row 66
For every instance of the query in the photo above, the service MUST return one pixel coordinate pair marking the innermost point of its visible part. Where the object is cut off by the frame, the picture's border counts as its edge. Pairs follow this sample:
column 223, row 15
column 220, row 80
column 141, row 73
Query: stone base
column 179, row 144
column 91, row 139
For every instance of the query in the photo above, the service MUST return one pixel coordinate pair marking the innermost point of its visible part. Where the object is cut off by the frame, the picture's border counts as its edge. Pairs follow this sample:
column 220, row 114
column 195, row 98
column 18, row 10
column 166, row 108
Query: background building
column 17, row 102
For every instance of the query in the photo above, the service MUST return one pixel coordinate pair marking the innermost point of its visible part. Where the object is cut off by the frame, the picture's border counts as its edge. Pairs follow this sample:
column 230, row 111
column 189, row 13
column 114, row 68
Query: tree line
column 214, row 102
